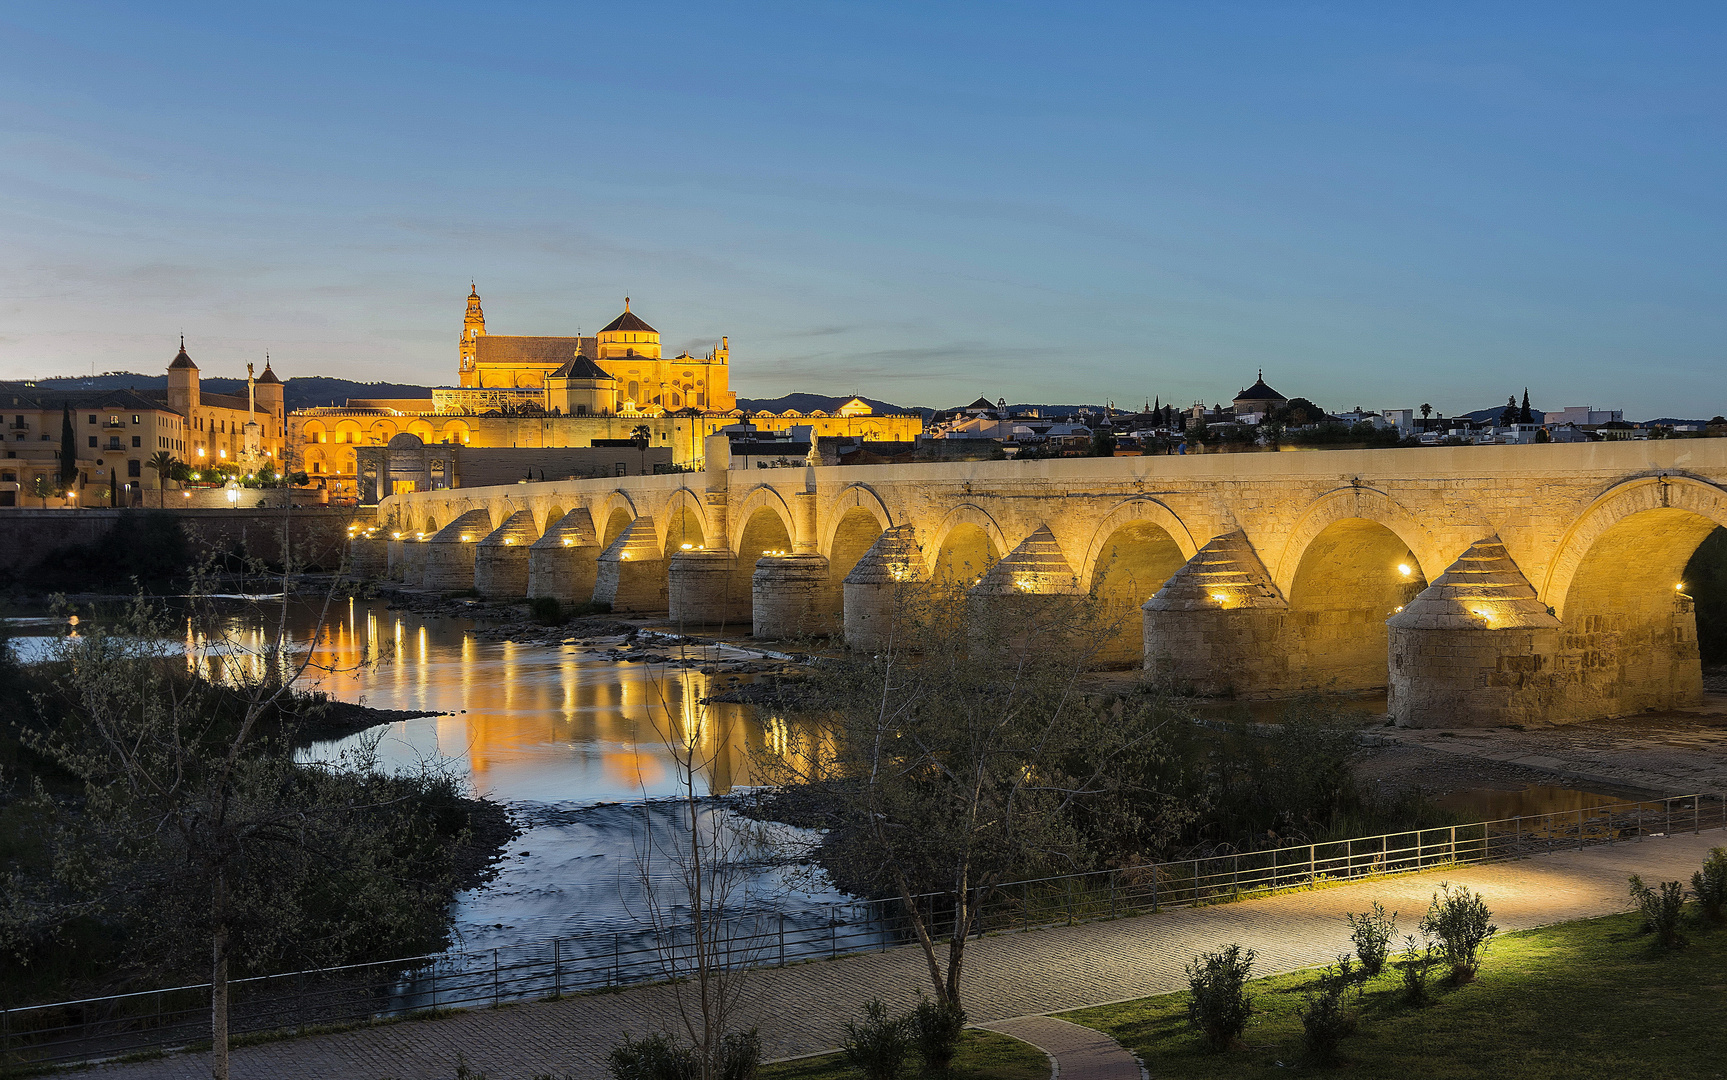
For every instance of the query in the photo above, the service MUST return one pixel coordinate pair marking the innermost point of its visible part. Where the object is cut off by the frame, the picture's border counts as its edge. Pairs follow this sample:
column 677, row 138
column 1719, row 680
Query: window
column 621, row 468
column 137, row 440
column 92, row 442
column 8, row 476
column 134, row 467
column 92, row 418
column 135, row 415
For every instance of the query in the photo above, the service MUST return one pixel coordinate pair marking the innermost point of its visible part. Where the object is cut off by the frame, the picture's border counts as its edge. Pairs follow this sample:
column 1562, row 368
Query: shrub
column 1325, row 1020
column 936, row 1028
column 1417, row 964
column 1710, row 884
column 879, row 1046
column 1218, row 1005
column 740, row 1055
column 1661, row 910
column 652, row 1057
column 1373, row 932
column 1460, row 920
column 546, row 611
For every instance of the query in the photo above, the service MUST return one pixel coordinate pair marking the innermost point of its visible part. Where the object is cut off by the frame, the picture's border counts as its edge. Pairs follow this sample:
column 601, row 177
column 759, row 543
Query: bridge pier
column 1475, row 648
column 631, row 575
column 368, row 556
column 501, row 559
column 449, row 565
column 1219, row 625
column 878, row 591
column 564, row 562
column 791, row 597
column 1026, row 599
column 412, row 565
column 701, row 589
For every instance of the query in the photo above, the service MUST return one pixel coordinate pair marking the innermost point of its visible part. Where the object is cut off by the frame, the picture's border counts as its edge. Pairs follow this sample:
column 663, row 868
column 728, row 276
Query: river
column 573, row 741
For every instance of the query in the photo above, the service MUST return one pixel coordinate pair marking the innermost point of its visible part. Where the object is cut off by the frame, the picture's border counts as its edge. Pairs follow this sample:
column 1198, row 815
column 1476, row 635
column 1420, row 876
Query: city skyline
column 1068, row 207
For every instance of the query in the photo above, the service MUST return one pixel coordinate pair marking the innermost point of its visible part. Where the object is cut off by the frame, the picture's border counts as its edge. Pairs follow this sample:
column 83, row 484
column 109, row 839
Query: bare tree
column 188, row 771
column 961, row 752
column 705, row 916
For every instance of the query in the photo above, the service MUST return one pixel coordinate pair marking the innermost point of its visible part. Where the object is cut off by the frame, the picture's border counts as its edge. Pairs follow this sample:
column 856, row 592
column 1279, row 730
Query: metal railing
column 115, row 1025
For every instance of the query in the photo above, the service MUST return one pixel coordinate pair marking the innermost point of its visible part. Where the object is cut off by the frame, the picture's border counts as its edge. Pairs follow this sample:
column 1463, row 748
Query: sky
column 1380, row 205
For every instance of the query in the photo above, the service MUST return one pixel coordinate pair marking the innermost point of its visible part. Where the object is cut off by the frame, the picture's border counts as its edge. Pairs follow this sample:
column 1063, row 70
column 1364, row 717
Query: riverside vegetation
column 966, row 754
column 156, row 829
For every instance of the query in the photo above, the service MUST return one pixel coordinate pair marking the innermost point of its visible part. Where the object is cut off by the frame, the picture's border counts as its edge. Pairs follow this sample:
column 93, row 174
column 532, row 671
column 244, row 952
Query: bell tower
column 473, row 328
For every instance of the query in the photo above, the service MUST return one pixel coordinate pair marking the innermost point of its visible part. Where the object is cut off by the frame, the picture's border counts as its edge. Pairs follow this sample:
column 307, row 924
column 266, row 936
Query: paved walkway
column 1079, row 1053
column 802, row 1009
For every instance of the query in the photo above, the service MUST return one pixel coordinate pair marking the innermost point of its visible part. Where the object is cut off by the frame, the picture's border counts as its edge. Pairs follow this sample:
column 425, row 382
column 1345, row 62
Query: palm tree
column 641, row 436
column 163, row 463
column 1426, row 410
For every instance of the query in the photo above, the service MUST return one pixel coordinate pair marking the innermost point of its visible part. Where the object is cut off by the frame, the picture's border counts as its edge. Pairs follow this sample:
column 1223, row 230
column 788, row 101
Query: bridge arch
column 1364, row 503
column 1136, row 547
column 683, row 521
column 1629, row 636
column 854, row 501
column 1354, row 558
column 1619, row 514
column 759, row 499
column 554, row 513
column 613, row 515
column 965, row 544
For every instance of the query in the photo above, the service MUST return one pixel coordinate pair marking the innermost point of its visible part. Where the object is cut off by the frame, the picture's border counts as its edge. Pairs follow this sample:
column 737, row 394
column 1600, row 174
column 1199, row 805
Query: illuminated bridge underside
column 1480, row 585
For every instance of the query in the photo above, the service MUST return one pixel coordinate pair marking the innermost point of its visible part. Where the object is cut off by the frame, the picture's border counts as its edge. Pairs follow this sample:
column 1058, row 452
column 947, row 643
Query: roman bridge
column 1481, row 584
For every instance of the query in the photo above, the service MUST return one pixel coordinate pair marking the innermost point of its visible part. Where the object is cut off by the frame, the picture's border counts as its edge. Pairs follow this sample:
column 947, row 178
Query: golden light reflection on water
column 538, row 722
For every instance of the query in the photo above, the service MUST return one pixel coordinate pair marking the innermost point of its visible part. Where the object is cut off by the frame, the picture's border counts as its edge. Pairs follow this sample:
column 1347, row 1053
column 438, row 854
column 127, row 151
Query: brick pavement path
column 801, row 1009
column 1079, row 1053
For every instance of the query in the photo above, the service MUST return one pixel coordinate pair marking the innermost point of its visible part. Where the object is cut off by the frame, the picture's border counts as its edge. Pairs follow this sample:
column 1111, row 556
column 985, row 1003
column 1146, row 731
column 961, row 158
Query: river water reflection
column 575, row 743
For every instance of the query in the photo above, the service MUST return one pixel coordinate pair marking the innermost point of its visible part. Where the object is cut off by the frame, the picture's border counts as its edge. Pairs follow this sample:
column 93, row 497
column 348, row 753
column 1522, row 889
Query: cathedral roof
column 268, row 376
column 507, row 349
column 628, row 322
column 181, row 360
column 1260, row 392
column 580, row 367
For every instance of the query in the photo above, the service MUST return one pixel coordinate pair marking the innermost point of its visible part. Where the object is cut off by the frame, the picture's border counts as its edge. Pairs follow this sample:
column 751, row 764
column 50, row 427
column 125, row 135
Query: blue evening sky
column 1380, row 204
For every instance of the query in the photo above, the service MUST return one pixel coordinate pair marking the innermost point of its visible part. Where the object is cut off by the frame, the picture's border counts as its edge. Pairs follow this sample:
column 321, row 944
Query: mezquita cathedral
column 569, row 394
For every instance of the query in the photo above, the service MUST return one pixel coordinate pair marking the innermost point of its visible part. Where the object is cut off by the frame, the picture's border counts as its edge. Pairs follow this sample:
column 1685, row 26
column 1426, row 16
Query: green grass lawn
column 983, row 1055
column 1579, row 999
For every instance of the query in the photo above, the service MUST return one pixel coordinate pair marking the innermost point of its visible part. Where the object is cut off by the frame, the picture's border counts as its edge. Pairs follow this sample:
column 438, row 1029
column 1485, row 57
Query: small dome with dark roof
column 580, row 367
column 1260, row 392
column 181, row 360
column 269, row 377
column 628, row 323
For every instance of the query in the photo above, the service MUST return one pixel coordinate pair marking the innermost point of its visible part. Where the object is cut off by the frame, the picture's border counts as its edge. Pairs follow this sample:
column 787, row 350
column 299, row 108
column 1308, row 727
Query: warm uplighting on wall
column 568, row 541
column 687, row 547
column 467, row 539
column 509, row 540
column 1405, row 569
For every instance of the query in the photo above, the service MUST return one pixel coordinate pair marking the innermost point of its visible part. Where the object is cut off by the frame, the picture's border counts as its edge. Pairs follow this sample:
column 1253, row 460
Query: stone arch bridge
column 1480, row 585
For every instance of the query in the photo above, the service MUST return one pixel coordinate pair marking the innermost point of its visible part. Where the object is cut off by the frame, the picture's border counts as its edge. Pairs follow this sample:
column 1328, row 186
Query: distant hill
column 296, row 393
column 810, row 402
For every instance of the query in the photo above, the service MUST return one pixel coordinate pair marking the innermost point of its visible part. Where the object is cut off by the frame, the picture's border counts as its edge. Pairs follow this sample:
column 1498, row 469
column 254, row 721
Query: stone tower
column 270, row 392
column 473, row 328
column 183, row 383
